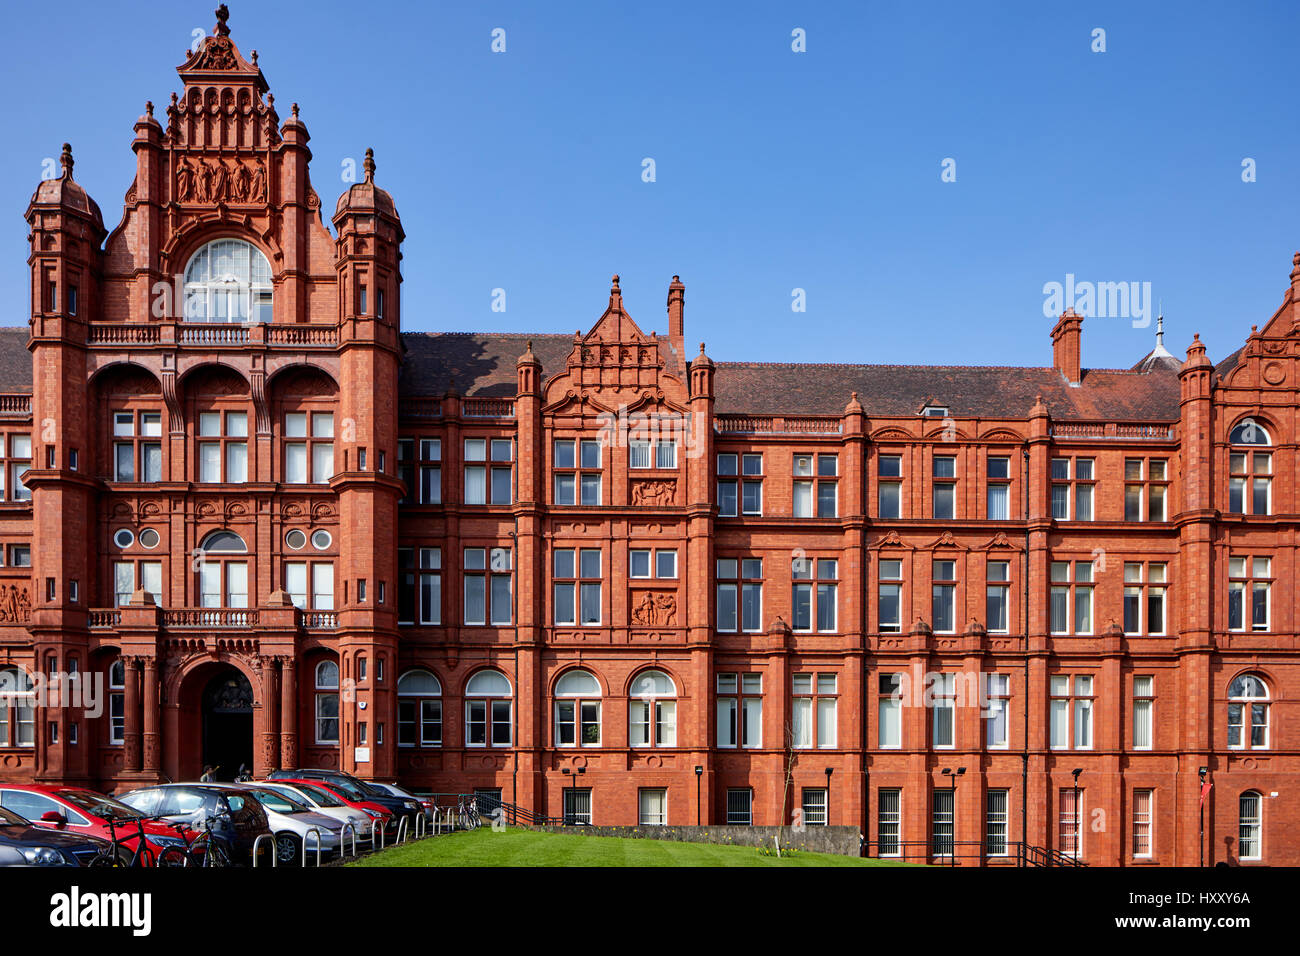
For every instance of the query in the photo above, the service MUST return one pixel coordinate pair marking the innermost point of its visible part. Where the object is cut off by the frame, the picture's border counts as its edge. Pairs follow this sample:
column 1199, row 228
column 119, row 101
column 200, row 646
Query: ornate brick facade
column 1119, row 545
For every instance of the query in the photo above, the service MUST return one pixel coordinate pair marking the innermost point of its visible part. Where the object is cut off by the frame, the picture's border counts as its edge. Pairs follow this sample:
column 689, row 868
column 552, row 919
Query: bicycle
column 205, row 849
column 111, row 855
column 469, row 815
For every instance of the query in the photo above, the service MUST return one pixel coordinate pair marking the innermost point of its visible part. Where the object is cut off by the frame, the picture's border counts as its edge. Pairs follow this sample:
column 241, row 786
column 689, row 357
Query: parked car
column 22, row 843
column 77, row 810
column 291, row 821
column 357, row 789
column 237, row 817
column 322, row 801
column 349, row 797
column 394, row 790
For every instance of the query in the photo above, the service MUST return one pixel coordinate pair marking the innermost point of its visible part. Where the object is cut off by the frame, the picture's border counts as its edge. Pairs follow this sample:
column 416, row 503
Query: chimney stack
column 1067, row 346
column 676, row 318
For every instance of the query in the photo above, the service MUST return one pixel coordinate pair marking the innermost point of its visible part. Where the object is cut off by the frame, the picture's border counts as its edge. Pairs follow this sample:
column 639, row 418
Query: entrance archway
column 227, row 734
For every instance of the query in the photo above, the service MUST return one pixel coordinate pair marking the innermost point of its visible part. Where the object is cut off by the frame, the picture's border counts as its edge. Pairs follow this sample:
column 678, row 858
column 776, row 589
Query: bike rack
column 401, row 831
column 347, row 827
column 377, row 828
column 421, row 825
column 275, row 857
column 310, row 831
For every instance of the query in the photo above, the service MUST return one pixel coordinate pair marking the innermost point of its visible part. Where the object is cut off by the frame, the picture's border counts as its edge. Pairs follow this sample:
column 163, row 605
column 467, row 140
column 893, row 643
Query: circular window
column 149, row 538
column 320, row 540
column 123, row 538
column 295, row 539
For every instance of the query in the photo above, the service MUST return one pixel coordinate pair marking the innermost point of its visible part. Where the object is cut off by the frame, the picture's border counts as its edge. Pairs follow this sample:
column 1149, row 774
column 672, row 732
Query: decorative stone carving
column 15, row 605
column 215, row 180
column 655, row 608
column 655, row 492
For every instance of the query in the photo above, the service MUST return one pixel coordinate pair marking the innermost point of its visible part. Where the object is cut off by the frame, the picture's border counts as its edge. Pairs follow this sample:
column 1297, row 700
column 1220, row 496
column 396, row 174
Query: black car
column 355, row 788
column 237, row 818
column 22, row 843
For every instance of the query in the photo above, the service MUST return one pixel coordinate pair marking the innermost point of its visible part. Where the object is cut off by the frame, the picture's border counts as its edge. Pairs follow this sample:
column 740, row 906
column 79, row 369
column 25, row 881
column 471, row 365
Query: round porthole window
column 123, row 538
column 295, row 539
column 321, row 540
column 149, row 538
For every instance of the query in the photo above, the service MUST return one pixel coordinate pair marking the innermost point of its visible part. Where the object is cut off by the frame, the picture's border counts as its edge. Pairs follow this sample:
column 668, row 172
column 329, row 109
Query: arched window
column 1250, row 826
column 1250, row 471
column 651, row 717
column 223, row 582
column 419, row 710
column 1248, row 713
column 228, row 280
column 577, row 715
column 487, row 717
column 116, row 702
column 327, row 702
column 17, row 708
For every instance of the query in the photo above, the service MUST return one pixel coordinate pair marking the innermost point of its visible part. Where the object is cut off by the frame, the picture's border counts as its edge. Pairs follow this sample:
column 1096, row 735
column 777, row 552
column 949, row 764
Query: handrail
column 948, row 853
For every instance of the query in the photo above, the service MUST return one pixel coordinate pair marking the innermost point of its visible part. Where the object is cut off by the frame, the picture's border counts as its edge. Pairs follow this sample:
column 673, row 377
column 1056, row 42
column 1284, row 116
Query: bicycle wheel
column 214, row 855
column 173, row 856
column 105, row 858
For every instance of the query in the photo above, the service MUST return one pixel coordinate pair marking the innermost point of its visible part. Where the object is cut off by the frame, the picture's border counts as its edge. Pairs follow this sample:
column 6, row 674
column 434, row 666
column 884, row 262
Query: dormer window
column 935, row 411
column 228, row 281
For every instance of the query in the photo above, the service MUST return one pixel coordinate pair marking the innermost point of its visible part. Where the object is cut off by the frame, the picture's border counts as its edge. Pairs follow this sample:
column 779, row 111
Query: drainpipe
column 1024, row 707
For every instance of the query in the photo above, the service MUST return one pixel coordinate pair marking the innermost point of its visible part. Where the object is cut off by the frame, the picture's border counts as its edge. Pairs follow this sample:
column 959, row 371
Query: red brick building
column 605, row 569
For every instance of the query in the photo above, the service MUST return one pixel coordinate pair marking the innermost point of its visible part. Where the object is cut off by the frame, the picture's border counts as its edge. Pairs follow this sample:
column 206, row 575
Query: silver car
column 291, row 821
column 324, row 802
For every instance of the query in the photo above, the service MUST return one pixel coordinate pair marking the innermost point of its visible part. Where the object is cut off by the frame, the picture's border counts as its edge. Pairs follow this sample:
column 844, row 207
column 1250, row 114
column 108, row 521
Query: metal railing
column 967, row 853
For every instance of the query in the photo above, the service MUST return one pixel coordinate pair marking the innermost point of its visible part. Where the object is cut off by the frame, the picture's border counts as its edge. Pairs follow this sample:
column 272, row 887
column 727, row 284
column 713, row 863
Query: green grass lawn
column 515, row 847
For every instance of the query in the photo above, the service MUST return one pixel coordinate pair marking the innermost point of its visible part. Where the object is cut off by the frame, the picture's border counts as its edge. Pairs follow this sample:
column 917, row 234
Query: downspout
column 1024, row 707
column 514, row 626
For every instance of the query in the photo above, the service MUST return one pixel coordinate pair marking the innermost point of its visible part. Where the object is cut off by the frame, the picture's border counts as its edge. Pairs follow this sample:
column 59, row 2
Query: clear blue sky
column 775, row 170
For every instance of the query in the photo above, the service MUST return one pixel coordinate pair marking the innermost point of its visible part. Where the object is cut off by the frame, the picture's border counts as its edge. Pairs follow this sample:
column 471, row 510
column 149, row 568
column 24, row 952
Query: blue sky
column 775, row 170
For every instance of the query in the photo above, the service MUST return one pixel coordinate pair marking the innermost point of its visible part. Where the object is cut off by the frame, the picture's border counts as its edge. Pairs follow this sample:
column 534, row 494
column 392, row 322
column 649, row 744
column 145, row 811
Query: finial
column 148, row 107
column 65, row 160
column 614, row 287
column 529, row 350
column 173, row 99
column 1160, row 329
column 294, row 109
column 701, row 348
column 223, row 14
column 254, row 58
column 1295, row 259
column 369, row 165
column 854, row 396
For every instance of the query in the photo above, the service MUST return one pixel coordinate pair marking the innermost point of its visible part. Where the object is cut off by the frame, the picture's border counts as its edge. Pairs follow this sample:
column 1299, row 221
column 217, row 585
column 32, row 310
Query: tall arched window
column 652, row 712
column 1248, row 713
column 228, row 280
column 327, row 702
column 17, row 708
column 116, row 702
column 1250, row 826
column 419, row 710
column 487, row 715
column 1250, row 470
column 223, row 581
column 577, row 710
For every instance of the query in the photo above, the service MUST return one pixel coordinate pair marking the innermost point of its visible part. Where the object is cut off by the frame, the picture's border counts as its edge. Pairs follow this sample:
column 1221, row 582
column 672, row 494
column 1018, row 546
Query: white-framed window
column 1071, row 584
column 943, row 711
column 18, row 708
column 644, row 454
column 308, row 447
column 652, row 710
column 116, row 703
column 1250, row 826
column 223, row 580
column 1071, row 710
column 310, row 584
column 1248, row 705
column 889, row 486
column 816, row 488
column 577, row 586
column 890, row 711
column 740, row 594
column 577, row 709
column 999, row 488
column 578, row 474
column 889, row 821
column 659, row 563
column 652, row 807
column 815, row 710
column 890, row 593
column 1143, row 806
column 995, row 822
column 489, row 701
column 997, row 689
column 997, row 597
column 813, row 806
column 487, row 573
column 223, row 447
column 1250, row 470
column 1146, row 487
column 228, row 280
column 419, row 593
column 1144, row 702
column 1145, row 589
column 815, row 597
column 488, row 471
column 137, row 449
column 740, row 710
column 943, row 596
column 944, row 489
column 125, row 575
column 419, row 709
column 1069, row 831
column 327, row 702
column 1250, row 585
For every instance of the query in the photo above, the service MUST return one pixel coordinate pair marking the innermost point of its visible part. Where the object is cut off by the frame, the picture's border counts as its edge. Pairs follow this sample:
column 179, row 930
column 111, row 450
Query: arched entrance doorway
column 227, row 736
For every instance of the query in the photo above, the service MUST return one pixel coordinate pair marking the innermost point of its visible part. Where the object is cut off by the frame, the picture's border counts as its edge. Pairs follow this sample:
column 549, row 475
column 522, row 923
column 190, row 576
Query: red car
column 348, row 795
column 77, row 810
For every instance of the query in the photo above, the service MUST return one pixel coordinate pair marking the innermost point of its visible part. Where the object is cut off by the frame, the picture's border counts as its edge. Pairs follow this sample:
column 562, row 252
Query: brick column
column 151, row 737
column 288, row 714
column 131, row 737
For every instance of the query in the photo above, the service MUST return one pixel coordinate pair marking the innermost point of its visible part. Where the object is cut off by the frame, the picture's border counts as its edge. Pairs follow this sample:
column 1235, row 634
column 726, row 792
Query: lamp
column 699, row 774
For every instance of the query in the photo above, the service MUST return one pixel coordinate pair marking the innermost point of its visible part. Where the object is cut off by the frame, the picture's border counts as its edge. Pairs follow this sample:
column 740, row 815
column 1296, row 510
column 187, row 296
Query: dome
column 66, row 193
column 365, row 196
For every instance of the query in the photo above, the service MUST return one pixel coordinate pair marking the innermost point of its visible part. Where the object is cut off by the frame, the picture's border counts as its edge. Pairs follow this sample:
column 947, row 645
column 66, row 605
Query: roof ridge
column 547, row 335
